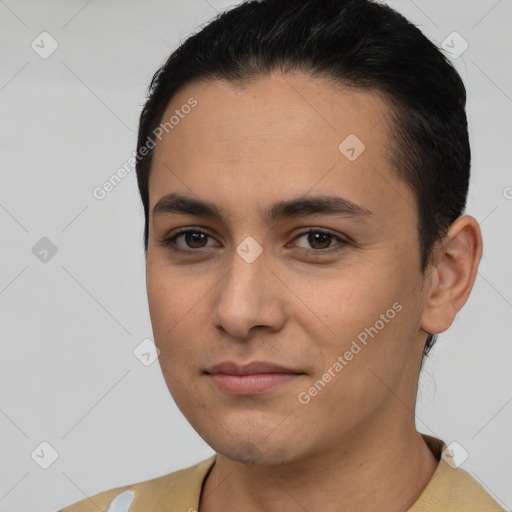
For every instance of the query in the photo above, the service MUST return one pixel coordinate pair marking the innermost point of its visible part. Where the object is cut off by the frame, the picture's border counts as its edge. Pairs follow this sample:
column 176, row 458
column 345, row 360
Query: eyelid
column 341, row 240
column 169, row 240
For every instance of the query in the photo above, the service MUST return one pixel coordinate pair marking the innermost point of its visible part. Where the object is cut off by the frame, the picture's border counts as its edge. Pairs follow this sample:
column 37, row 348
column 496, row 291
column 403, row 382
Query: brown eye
column 194, row 239
column 320, row 240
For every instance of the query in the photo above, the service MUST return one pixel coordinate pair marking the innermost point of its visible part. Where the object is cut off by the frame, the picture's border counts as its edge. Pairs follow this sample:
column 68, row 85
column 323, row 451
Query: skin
column 354, row 446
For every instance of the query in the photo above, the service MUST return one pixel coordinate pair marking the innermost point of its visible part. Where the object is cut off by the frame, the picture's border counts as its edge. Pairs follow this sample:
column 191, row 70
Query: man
column 304, row 167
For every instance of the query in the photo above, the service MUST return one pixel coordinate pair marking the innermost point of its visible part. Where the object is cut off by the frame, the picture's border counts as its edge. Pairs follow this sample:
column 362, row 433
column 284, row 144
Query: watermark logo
column 249, row 249
column 455, row 454
column 44, row 250
column 351, row 147
column 249, row 454
column 44, row 45
column 455, row 45
column 44, row 455
column 146, row 352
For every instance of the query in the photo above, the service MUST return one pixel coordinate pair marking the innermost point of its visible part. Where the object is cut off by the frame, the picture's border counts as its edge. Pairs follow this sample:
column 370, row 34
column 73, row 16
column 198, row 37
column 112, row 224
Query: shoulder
column 452, row 488
column 180, row 489
column 464, row 493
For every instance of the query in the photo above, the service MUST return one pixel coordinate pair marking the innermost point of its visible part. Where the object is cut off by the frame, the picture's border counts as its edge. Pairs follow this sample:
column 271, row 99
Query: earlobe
column 453, row 274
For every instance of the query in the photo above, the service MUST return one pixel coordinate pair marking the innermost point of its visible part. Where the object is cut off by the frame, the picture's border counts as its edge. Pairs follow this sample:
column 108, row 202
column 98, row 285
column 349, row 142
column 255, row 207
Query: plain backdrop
column 72, row 286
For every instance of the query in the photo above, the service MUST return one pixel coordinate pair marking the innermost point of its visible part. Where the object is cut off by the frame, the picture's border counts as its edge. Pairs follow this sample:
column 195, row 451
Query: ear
column 452, row 275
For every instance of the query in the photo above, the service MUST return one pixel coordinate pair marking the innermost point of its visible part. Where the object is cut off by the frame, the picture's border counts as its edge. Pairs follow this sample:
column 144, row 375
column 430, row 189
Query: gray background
column 69, row 324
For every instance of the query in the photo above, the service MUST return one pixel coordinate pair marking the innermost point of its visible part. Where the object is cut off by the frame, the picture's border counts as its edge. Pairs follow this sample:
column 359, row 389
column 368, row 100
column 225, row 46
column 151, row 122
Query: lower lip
column 250, row 384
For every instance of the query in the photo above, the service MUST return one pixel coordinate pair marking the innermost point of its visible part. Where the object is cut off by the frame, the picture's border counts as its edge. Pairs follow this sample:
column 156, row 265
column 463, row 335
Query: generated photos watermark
column 100, row 192
column 305, row 397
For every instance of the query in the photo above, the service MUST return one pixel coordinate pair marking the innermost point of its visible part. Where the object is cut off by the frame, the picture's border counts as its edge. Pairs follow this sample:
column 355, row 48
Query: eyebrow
column 292, row 208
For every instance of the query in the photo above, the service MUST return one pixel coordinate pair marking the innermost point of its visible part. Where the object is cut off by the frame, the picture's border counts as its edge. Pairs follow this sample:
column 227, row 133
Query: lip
column 252, row 368
column 250, row 379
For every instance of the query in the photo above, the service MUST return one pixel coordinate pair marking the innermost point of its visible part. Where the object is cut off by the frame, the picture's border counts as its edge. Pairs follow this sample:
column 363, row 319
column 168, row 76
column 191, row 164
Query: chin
column 250, row 434
column 262, row 445
column 252, row 454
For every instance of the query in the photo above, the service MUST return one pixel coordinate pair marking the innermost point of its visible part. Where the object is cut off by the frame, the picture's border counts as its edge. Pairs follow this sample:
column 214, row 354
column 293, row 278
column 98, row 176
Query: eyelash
column 170, row 241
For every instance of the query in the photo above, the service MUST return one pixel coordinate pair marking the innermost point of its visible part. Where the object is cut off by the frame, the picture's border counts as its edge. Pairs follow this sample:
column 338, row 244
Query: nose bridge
column 244, row 282
column 245, row 297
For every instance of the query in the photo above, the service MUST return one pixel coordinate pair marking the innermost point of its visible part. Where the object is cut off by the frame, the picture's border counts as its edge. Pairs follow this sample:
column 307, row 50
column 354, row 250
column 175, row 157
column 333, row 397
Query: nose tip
column 246, row 300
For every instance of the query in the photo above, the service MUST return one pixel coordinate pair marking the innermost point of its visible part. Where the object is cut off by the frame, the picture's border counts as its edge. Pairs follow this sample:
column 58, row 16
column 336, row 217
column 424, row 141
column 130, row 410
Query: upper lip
column 254, row 367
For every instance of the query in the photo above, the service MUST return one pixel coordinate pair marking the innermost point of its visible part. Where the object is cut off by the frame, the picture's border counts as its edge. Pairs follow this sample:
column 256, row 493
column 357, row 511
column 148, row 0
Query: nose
column 249, row 297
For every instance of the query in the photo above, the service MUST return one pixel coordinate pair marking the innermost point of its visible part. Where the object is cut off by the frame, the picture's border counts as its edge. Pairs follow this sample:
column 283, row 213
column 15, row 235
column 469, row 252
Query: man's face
column 334, row 297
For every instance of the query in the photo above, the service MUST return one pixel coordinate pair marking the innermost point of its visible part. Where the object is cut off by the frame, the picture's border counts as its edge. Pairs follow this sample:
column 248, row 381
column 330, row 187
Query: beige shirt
column 449, row 490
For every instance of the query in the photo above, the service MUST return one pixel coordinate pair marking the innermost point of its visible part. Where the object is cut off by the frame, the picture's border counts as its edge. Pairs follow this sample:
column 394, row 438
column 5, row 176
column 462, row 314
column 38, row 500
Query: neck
column 377, row 468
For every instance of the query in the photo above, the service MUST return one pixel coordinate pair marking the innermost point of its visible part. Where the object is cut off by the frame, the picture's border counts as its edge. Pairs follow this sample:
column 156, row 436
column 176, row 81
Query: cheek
column 168, row 305
column 177, row 310
column 362, row 312
column 162, row 303
column 346, row 300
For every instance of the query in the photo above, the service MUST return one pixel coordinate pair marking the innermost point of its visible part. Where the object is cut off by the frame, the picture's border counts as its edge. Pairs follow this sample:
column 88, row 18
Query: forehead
column 278, row 135
column 301, row 107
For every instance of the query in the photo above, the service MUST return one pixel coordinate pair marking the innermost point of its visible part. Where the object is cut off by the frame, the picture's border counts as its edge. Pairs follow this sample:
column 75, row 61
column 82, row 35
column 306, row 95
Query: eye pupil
column 193, row 236
column 313, row 237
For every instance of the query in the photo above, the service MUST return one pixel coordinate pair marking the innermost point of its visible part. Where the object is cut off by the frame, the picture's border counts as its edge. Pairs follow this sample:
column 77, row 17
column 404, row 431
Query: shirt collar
column 192, row 482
